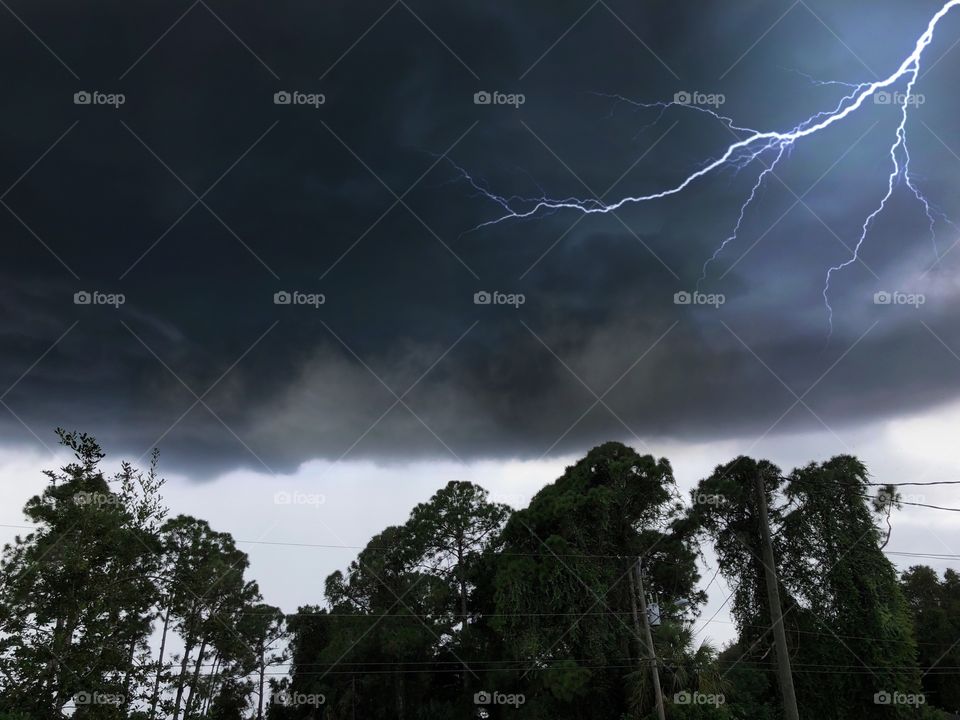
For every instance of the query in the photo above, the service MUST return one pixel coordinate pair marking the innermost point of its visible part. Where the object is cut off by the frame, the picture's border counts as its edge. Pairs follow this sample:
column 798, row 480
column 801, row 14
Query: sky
column 189, row 190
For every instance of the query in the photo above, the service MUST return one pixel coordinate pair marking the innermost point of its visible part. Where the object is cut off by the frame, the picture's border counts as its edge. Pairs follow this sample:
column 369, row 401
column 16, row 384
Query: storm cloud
column 205, row 196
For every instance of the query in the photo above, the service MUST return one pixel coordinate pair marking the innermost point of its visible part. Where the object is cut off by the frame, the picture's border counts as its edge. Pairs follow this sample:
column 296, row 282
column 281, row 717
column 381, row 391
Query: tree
column 80, row 594
column 77, row 593
column 836, row 584
column 205, row 597
column 230, row 702
column 263, row 626
column 725, row 506
column 561, row 588
column 310, row 633
column 834, row 562
column 450, row 533
column 389, row 622
column 400, row 619
column 935, row 606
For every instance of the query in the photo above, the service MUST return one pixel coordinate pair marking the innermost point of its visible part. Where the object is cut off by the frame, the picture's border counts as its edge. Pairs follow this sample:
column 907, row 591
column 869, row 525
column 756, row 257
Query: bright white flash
column 755, row 145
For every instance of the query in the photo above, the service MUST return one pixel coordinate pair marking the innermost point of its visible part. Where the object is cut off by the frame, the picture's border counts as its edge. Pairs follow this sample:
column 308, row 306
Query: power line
column 851, row 670
column 868, row 497
column 914, row 484
column 612, row 613
column 878, row 484
column 932, row 556
column 366, row 547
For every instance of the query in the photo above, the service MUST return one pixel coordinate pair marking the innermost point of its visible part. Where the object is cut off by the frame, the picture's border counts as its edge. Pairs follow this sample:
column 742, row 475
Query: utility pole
column 776, row 612
column 652, row 653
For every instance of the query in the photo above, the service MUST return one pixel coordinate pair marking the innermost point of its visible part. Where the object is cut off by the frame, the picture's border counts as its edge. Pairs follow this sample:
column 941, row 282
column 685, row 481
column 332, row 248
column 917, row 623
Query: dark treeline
column 110, row 609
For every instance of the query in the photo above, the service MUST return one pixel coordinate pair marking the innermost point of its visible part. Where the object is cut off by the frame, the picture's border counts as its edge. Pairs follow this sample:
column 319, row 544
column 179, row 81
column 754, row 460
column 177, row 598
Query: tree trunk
column 48, row 677
column 463, row 600
column 263, row 670
column 62, row 645
column 638, row 644
column 195, row 679
column 398, row 690
column 212, row 683
column 156, row 683
column 188, row 648
column 128, row 675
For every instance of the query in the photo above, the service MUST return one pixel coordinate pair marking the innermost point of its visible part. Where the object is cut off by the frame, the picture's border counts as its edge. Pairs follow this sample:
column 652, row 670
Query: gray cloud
column 300, row 211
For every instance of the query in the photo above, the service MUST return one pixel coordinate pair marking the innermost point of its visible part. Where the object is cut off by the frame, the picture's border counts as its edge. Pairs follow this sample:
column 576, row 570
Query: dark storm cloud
column 301, row 198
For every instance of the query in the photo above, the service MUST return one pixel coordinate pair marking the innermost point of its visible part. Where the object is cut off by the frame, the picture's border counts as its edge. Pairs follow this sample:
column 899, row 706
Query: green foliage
column 748, row 690
column 833, row 562
column 77, row 592
column 935, row 606
column 82, row 592
column 725, row 506
column 230, row 702
column 211, row 606
column 835, row 583
column 465, row 597
column 563, row 581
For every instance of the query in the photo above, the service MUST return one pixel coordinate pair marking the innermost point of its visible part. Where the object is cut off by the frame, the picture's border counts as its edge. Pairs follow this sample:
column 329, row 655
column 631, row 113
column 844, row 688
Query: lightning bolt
column 752, row 145
column 743, row 212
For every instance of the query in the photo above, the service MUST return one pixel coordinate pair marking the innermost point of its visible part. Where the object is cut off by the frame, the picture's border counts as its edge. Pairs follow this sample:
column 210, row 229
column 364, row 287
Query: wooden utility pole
column 776, row 612
column 652, row 653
